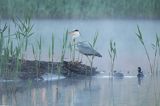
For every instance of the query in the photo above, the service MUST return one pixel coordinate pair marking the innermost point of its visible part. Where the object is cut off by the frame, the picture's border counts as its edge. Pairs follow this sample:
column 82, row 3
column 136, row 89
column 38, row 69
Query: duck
column 118, row 74
column 140, row 73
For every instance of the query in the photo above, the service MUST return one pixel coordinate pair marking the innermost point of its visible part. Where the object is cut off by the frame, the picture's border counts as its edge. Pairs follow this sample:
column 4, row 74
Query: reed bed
column 13, row 46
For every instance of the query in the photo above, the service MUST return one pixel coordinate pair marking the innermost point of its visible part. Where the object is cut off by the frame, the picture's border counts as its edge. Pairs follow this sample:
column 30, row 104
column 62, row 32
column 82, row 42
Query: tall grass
column 51, row 53
column 13, row 46
column 63, row 52
column 112, row 54
column 64, row 45
column 53, row 44
column 93, row 46
column 156, row 45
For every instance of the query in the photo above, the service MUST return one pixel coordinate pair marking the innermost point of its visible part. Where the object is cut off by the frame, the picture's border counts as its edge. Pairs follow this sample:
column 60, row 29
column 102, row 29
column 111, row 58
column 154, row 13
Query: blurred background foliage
column 81, row 9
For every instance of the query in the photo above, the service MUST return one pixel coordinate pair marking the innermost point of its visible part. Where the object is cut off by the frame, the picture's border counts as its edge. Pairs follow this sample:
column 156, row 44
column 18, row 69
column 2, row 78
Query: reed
column 93, row 46
column 155, row 47
column 35, row 58
column 49, row 58
column 53, row 44
column 39, row 44
column 112, row 54
column 154, row 65
column 140, row 37
column 64, row 47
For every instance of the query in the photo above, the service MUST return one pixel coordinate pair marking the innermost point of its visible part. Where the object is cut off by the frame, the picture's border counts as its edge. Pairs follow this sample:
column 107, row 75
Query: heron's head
column 75, row 33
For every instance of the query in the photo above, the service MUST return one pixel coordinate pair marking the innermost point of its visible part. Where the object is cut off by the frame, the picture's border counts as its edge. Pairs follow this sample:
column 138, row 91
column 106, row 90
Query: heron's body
column 87, row 50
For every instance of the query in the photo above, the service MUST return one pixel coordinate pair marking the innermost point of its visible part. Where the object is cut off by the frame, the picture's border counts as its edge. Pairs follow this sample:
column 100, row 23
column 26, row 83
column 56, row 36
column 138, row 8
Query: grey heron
column 87, row 50
column 75, row 34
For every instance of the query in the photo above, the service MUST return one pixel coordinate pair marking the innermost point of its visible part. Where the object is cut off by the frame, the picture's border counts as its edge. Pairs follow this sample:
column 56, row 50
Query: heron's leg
column 78, row 56
column 74, row 40
column 81, row 57
column 89, row 60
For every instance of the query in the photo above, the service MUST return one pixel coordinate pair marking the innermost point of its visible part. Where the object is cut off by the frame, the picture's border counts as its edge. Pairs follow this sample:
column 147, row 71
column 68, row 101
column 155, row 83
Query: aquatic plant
column 156, row 45
column 64, row 46
column 13, row 46
column 52, row 55
column 39, row 44
column 93, row 46
column 112, row 54
column 49, row 57
column 140, row 37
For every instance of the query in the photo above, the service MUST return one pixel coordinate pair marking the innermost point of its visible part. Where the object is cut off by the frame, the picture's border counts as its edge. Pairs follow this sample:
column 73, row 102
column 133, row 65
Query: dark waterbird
column 140, row 73
column 87, row 50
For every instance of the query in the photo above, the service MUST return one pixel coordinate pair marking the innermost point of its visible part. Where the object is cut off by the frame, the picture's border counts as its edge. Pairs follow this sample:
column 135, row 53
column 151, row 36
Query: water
column 99, row 90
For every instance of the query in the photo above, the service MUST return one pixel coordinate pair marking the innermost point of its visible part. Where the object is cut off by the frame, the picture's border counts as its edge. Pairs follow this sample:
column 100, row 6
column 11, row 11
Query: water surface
column 86, row 91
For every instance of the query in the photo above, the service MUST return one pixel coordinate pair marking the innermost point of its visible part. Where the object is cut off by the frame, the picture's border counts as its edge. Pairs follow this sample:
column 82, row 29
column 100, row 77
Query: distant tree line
column 80, row 9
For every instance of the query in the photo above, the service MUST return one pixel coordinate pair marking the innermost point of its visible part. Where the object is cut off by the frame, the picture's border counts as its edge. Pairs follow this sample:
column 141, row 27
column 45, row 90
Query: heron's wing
column 87, row 50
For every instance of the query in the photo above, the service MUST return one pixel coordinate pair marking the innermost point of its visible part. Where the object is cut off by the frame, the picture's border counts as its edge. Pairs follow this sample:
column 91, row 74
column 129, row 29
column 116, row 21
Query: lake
column 96, row 91
column 99, row 90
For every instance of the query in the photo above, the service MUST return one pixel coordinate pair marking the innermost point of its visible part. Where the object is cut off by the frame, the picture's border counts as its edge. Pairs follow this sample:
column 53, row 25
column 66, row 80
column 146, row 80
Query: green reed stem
column 112, row 54
column 93, row 46
column 140, row 37
column 52, row 55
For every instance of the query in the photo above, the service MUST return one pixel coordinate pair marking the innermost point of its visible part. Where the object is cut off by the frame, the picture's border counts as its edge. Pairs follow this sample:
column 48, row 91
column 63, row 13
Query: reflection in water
column 33, row 96
column 82, row 92
column 139, row 80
